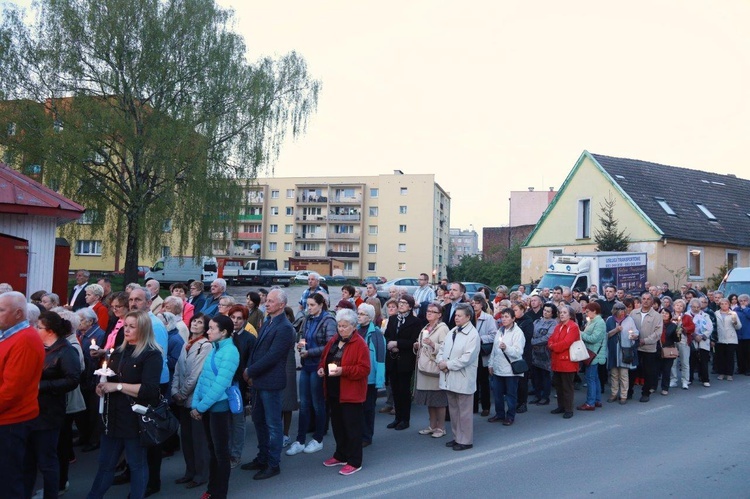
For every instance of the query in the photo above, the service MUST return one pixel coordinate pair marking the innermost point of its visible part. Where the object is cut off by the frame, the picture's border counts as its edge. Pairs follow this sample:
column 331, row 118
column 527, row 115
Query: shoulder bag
column 578, row 351
column 517, row 367
column 426, row 363
column 234, row 397
column 157, row 424
column 592, row 355
column 669, row 352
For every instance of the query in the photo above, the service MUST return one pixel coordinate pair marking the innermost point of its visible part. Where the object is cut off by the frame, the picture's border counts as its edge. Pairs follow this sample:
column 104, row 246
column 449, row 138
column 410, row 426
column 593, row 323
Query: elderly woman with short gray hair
column 89, row 333
column 50, row 301
column 375, row 341
column 94, row 294
column 345, row 365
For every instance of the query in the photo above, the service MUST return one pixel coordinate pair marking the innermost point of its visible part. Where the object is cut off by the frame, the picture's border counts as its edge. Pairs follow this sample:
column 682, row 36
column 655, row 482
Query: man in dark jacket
column 266, row 373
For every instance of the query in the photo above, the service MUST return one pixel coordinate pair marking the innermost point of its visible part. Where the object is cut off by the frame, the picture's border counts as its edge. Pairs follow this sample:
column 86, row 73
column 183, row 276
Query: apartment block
column 387, row 225
column 463, row 243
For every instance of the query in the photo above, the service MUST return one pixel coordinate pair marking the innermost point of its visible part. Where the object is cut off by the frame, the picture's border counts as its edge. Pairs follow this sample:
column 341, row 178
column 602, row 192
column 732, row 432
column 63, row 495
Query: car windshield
column 552, row 280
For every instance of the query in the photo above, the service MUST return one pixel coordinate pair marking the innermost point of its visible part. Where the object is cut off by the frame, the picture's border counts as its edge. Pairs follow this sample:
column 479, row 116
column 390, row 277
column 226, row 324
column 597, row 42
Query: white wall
column 40, row 233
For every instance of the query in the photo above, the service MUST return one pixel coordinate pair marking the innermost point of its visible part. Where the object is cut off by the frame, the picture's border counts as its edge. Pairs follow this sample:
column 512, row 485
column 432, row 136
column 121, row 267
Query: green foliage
column 147, row 110
column 715, row 280
column 608, row 238
column 474, row 269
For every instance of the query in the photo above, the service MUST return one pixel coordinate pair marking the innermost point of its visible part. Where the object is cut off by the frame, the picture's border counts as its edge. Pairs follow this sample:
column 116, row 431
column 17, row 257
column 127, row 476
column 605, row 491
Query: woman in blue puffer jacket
column 210, row 403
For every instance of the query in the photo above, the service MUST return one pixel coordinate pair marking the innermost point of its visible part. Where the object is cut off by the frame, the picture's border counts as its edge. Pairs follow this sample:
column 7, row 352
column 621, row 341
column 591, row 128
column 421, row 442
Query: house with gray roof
column 689, row 222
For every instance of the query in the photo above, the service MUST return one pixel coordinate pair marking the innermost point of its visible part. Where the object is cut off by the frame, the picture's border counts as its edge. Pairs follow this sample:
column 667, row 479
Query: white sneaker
column 684, row 385
column 672, row 384
column 706, row 384
column 286, row 441
column 313, row 446
column 39, row 494
column 295, row 449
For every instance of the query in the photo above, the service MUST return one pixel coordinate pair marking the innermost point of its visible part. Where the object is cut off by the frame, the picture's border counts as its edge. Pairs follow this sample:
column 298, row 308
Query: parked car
column 410, row 283
column 142, row 269
column 473, row 287
column 373, row 279
column 335, row 279
column 302, row 275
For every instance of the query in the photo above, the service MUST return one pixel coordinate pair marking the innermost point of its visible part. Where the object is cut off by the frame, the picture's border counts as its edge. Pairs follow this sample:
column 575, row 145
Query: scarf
column 190, row 343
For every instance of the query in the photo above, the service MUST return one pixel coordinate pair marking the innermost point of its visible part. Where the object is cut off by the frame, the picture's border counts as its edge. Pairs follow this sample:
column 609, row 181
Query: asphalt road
column 689, row 444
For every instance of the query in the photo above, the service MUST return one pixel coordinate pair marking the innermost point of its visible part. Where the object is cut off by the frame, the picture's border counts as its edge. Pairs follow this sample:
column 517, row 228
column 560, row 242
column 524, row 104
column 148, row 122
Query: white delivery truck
column 185, row 269
column 579, row 271
column 737, row 281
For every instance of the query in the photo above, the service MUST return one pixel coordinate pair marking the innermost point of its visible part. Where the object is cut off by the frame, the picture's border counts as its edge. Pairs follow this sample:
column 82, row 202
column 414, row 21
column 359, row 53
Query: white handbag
column 578, row 351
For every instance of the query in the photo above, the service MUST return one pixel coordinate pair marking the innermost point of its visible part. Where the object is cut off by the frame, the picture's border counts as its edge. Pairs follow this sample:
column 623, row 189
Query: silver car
column 411, row 284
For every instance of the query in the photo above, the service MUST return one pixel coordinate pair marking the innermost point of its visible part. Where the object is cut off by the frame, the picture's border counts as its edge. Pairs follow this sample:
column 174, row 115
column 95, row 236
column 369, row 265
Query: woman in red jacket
column 563, row 369
column 345, row 364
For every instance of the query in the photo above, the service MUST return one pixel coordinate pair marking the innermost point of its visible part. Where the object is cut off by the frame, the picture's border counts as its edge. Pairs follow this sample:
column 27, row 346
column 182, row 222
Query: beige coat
column 437, row 336
column 462, row 358
column 649, row 327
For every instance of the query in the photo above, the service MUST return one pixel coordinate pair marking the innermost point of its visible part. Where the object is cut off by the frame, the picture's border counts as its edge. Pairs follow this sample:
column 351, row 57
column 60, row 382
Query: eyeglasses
column 362, row 314
column 432, row 312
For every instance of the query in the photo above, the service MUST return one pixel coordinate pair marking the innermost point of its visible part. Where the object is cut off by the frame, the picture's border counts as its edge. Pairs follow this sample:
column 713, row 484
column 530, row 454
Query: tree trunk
column 131, row 251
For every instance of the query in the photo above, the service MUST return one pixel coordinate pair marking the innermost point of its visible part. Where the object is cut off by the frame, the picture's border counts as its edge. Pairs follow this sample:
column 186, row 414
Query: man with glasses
column 423, row 296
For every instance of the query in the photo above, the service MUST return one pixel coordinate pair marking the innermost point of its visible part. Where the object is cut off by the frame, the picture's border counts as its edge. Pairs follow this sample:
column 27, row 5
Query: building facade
column 383, row 225
column 463, row 243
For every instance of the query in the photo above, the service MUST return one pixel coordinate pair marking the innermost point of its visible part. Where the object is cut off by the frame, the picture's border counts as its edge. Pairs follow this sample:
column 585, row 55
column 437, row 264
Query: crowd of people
column 435, row 347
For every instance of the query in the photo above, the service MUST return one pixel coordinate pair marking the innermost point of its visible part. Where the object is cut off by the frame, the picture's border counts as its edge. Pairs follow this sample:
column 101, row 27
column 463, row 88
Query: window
column 286, row 264
column 695, row 263
column 289, row 211
column 664, row 206
column 373, row 230
column 274, row 194
column 373, row 211
column 90, row 217
column 372, row 248
column 290, row 193
column 371, row 266
column 165, row 252
column 273, row 229
column 402, row 266
column 733, row 259
column 348, row 266
column 287, row 247
column 404, row 191
column 11, row 129
column 402, row 210
column 274, row 210
column 167, row 225
column 272, row 246
column 584, row 219
column 288, row 229
column 374, row 192
column 402, row 228
column 402, row 247
column 88, row 247
column 705, row 211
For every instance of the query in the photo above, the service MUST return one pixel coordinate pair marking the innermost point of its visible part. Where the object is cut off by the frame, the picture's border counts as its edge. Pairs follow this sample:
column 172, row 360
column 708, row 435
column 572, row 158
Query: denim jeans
column 109, row 456
column 217, row 426
column 311, row 399
column 542, row 380
column 505, row 389
column 368, row 409
column 237, row 439
column 41, row 454
column 594, row 388
column 268, row 426
column 13, row 439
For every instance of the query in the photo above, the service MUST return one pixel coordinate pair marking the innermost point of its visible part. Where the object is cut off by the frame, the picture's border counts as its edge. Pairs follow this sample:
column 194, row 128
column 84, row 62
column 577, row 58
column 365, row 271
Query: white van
column 185, row 269
column 736, row 282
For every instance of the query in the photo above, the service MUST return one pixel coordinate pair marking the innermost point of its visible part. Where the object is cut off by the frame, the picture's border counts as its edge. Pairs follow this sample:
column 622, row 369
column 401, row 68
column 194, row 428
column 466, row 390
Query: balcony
column 347, row 199
column 343, row 254
column 250, row 218
column 344, row 235
column 345, row 218
column 257, row 199
column 310, row 253
column 249, row 235
column 310, row 218
column 311, row 199
column 311, row 235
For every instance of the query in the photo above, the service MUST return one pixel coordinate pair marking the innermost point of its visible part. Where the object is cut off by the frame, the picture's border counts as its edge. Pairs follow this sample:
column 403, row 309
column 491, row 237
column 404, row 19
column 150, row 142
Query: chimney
column 531, row 189
column 398, row 172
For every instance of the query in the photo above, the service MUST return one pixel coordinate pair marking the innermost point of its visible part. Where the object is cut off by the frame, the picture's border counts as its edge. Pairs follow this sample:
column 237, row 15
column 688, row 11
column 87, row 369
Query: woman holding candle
column 61, row 374
column 345, row 365
column 189, row 367
column 564, row 369
column 727, row 325
column 685, row 330
column 428, row 390
column 375, row 341
column 137, row 364
column 622, row 351
column 508, row 347
column 211, row 405
column 400, row 334
column 317, row 329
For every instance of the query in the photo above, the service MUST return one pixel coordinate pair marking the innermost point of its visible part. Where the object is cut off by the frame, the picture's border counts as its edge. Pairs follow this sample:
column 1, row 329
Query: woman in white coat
column 457, row 360
column 508, row 347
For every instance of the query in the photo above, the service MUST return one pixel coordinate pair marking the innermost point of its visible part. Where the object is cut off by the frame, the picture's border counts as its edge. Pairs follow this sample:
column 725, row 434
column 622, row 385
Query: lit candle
column 93, row 344
column 332, row 367
column 302, row 344
column 103, row 373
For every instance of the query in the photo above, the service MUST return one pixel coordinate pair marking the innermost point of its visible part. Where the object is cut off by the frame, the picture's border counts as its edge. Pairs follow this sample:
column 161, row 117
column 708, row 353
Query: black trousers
column 154, row 453
column 699, row 360
column 665, row 370
column 483, row 387
column 218, row 426
column 401, row 387
column 346, row 422
column 724, row 358
column 743, row 357
column 523, row 388
column 648, row 365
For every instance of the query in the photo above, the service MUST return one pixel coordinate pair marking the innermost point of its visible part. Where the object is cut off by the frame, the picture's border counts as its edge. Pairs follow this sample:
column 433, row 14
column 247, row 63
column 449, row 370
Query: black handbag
column 158, row 424
column 519, row 366
column 486, row 348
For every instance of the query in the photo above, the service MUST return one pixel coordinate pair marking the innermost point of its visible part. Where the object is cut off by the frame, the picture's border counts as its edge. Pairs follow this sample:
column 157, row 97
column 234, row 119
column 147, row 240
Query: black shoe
column 559, row 410
column 450, row 443
column 567, row 415
column 521, row 409
column 644, row 398
column 462, row 446
column 267, row 473
column 535, row 401
column 402, row 426
column 121, row 479
column 151, row 491
column 393, row 424
column 254, row 465
column 182, row 480
column 495, row 419
column 89, row 447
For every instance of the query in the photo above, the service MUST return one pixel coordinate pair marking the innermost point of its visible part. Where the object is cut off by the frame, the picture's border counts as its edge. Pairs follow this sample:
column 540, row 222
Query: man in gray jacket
column 650, row 325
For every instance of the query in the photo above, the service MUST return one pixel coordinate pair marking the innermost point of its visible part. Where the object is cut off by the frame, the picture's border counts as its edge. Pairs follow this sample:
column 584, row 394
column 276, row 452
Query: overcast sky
column 494, row 96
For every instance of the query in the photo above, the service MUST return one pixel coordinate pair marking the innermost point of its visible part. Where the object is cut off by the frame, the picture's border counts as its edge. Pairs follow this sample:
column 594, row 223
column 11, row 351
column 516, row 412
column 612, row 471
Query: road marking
column 714, row 394
column 655, row 409
column 448, row 468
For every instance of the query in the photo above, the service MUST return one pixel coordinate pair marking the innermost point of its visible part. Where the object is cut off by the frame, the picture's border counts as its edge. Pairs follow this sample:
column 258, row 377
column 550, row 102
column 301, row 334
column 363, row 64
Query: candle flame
column 93, row 342
column 104, row 366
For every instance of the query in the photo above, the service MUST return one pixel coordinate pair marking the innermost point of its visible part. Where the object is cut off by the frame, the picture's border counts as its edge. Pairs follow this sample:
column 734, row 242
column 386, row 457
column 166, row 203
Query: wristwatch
column 119, row 387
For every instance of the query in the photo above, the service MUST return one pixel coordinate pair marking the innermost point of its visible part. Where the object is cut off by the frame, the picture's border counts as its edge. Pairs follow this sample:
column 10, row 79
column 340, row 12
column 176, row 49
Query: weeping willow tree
column 147, row 113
